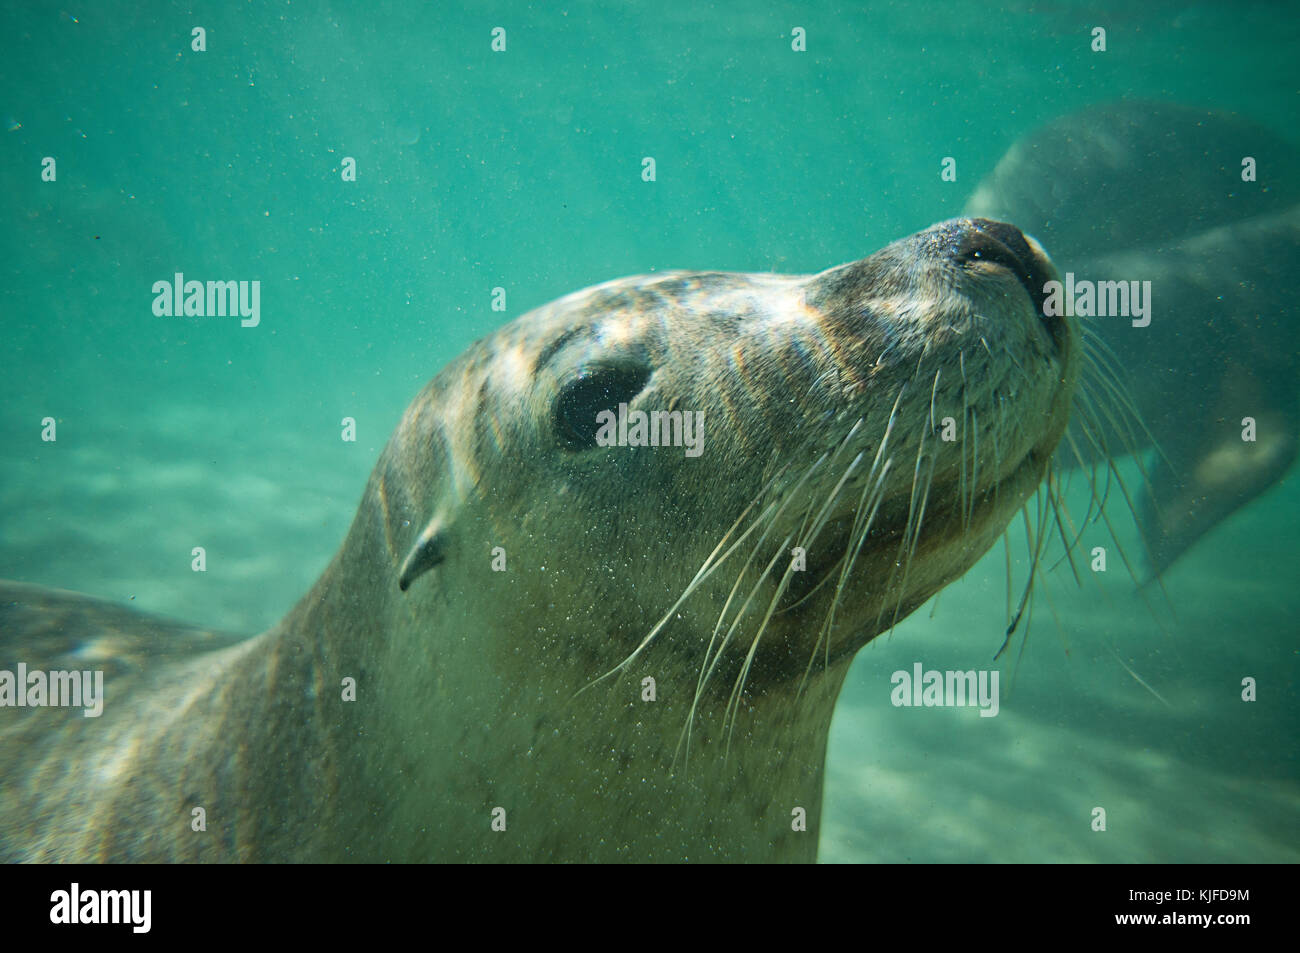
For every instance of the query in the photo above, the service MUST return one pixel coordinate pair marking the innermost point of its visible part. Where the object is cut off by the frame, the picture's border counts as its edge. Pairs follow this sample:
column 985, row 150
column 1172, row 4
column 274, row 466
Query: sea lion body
column 480, row 701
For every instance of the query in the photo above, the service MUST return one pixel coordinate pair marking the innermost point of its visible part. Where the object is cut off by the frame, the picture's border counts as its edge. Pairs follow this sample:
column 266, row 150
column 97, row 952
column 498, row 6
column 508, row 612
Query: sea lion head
column 819, row 455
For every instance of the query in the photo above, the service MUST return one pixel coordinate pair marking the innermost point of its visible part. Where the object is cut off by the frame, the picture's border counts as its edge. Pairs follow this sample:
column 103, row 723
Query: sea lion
column 566, row 645
column 1155, row 191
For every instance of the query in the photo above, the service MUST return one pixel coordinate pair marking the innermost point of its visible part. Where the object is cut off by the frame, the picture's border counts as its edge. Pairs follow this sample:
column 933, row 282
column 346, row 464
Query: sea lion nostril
column 981, row 246
column 996, row 242
column 1005, row 245
column 1007, row 234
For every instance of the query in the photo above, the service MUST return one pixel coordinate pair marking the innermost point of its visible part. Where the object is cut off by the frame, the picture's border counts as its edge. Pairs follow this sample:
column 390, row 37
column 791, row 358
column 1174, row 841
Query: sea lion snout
column 981, row 240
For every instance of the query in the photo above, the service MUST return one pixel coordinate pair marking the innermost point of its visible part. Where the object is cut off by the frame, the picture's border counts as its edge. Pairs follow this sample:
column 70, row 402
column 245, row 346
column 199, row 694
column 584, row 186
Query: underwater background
column 522, row 170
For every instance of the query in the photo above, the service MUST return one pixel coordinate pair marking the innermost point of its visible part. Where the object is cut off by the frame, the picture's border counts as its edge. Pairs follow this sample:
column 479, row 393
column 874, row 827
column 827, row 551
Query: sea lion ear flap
column 429, row 550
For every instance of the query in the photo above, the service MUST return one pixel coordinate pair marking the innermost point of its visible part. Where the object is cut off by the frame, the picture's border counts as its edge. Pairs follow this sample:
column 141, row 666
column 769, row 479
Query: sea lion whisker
column 735, row 586
column 997, row 452
column 710, row 663
column 1119, row 547
column 974, row 463
column 1103, row 480
column 1035, row 537
column 806, row 540
column 738, row 688
column 1137, row 458
column 732, row 709
column 1006, row 550
column 833, row 567
column 813, row 589
column 1056, row 620
column 706, row 665
column 907, row 529
column 875, row 464
column 726, row 605
column 774, row 509
column 1138, row 678
column 829, row 372
column 1071, row 540
column 912, row 534
column 870, row 498
column 1086, row 423
column 812, row 528
column 1016, row 363
column 1045, row 500
column 1101, row 388
column 934, row 392
column 878, row 490
column 1092, row 432
column 710, row 659
column 1094, row 346
column 1089, row 470
column 1111, row 404
column 820, row 520
column 707, row 570
column 735, row 623
column 839, row 448
column 856, row 539
column 1056, row 504
column 1033, row 540
column 1112, row 471
column 966, row 492
column 1106, row 370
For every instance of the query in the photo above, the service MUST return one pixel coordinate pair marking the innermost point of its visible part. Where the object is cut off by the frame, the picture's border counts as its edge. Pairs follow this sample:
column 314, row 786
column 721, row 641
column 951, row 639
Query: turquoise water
column 522, row 170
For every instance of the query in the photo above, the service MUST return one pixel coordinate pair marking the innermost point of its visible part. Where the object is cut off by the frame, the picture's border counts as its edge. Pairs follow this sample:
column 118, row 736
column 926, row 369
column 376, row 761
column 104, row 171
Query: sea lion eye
column 594, row 389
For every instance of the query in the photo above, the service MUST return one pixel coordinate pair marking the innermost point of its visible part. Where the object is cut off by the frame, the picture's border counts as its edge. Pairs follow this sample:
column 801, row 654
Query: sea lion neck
column 522, row 729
